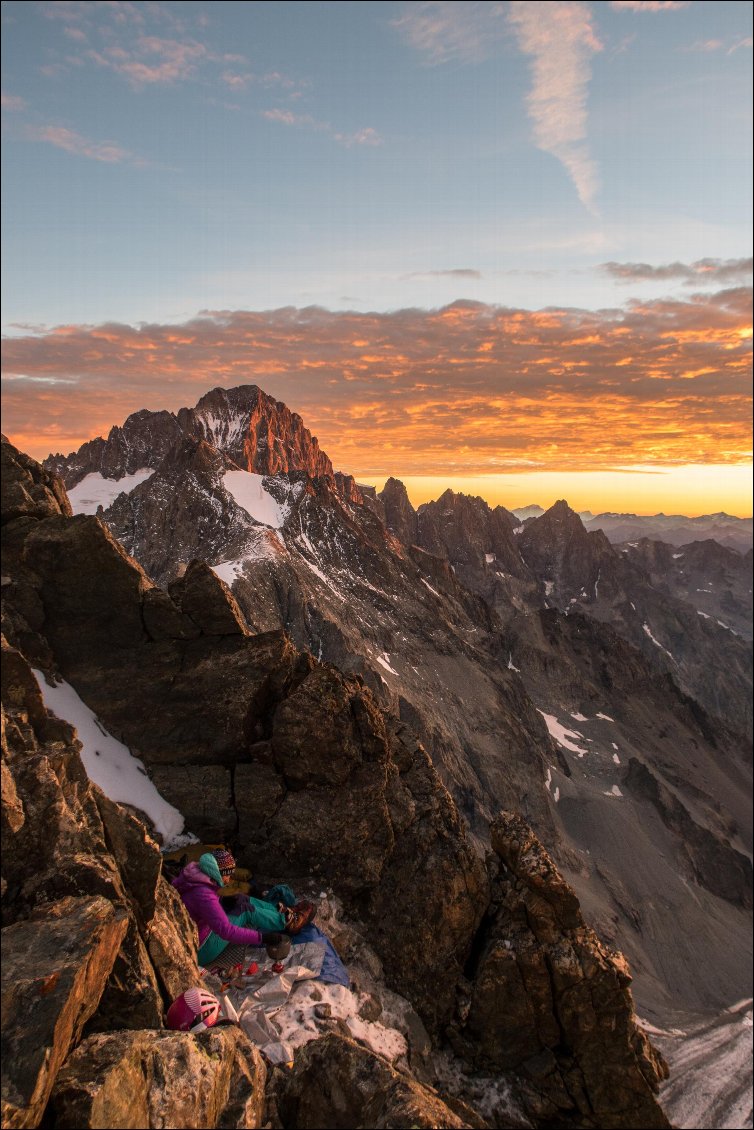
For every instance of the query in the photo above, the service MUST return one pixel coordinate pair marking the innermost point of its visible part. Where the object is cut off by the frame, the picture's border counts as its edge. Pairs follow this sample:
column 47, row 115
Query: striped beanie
column 225, row 860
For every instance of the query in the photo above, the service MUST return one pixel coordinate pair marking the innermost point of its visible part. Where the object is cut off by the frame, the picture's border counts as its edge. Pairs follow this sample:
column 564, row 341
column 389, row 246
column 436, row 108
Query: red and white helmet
column 193, row 1011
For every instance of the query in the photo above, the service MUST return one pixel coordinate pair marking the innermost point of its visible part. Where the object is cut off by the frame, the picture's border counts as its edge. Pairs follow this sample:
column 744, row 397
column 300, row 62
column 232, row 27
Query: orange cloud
column 474, row 387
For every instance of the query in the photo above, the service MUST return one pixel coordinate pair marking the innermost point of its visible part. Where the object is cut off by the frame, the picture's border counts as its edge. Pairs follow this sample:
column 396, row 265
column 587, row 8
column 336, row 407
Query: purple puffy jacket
column 202, row 901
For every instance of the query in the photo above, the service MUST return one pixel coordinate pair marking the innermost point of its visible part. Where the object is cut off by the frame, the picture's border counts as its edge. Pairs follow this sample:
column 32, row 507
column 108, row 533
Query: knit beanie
column 225, row 860
column 208, row 864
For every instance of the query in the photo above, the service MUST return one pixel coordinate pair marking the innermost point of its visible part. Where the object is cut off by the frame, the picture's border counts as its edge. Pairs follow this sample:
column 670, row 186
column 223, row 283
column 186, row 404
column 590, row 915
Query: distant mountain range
column 676, row 529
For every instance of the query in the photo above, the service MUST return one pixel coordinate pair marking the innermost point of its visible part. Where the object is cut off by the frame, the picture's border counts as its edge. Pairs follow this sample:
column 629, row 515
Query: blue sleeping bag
column 333, row 970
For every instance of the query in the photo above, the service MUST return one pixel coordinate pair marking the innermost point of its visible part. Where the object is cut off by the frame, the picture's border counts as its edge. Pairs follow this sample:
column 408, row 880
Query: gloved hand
column 271, row 939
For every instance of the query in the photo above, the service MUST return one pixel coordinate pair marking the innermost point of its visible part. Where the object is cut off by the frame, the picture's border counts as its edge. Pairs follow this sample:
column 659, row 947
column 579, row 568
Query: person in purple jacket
column 199, row 885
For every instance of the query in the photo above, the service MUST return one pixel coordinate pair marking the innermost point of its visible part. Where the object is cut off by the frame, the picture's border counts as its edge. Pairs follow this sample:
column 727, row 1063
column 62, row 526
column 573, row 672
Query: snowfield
column 710, row 1082
column 110, row 764
column 94, row 490
column 248, row 491
column 562, row 735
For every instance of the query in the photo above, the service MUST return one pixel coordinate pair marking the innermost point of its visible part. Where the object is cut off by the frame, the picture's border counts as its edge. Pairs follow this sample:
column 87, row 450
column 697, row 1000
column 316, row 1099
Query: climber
column 256, row 923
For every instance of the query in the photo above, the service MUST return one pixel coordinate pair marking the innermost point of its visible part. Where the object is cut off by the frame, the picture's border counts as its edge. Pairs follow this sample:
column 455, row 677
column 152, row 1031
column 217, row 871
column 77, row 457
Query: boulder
column 136, row 854
column 156, row 1079
column 132, row 997
column 551, row 1002
column 28, row 490
column 337, row 1083
column 208, row 601
column 54, row 970
column 172, row 942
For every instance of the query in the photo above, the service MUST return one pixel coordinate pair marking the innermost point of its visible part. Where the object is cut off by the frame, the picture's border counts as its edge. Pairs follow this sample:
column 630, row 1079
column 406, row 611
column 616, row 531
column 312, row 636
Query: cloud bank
column 716, row 271
column 469, row 388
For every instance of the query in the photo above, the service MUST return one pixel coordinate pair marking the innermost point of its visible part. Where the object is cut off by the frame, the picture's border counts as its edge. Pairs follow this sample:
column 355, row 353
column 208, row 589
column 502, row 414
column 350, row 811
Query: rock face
column 583, row 572
column 55, row 968
column 550, row 1000
column 714, row 579
column 258, row 433
column 715, row 862
column 400, row 516
column 154, row 1079
column 28, row 490
column 337, row 1083
column 143, row 441
column 255, row 432
column 470, row 533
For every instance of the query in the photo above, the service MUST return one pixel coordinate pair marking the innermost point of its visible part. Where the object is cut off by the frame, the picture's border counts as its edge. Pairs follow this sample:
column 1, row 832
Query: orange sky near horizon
column 644, row 408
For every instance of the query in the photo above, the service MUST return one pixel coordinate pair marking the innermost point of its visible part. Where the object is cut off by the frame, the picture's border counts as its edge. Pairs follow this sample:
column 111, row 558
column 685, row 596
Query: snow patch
column 248, row 490
column 580, row 717
column 323, row 577
column 561, row 734
column 266, row 546
column 428, row 585
column 518, row 529
column 384, row 661
column 704, row 614
column 615, row 791
column 648, row 632
column 511, row 665
column 677, row 555
column 549, row 586
column 556, row 794
column 110, row 764
column 94, row 490
column 604, row 717
column 489, row 558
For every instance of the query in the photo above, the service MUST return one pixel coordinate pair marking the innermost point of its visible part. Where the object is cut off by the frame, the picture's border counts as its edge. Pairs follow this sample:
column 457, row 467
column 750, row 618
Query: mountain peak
column 245, row 424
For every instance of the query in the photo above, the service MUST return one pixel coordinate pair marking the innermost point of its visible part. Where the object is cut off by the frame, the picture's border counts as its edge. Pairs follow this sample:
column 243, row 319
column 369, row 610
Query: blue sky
column 161, row 159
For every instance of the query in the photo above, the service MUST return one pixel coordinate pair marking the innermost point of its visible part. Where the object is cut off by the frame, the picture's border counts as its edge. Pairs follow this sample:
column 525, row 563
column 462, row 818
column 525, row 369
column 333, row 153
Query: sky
column 505, row 247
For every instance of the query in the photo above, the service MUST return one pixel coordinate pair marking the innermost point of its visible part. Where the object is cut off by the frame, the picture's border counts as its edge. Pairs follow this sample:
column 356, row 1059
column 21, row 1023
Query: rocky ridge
column 321, row 779
column 256, row 432
column 523, row 697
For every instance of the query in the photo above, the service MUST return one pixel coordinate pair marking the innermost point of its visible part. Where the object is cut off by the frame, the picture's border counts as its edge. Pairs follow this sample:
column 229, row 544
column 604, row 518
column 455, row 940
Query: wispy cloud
column 648, row 5
column 121, row 11
column 720, row 44
column 365, row 136
column 444, row 32
column 453, row 273
column 12, row 102
column 660, row 382
column 241, row 80
column 62, row 138
column 714, row 271
column 561, row 40
column 152, row 60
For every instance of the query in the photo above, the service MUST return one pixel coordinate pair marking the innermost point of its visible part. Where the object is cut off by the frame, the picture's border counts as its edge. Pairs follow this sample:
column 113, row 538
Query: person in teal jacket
column 257, row 923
